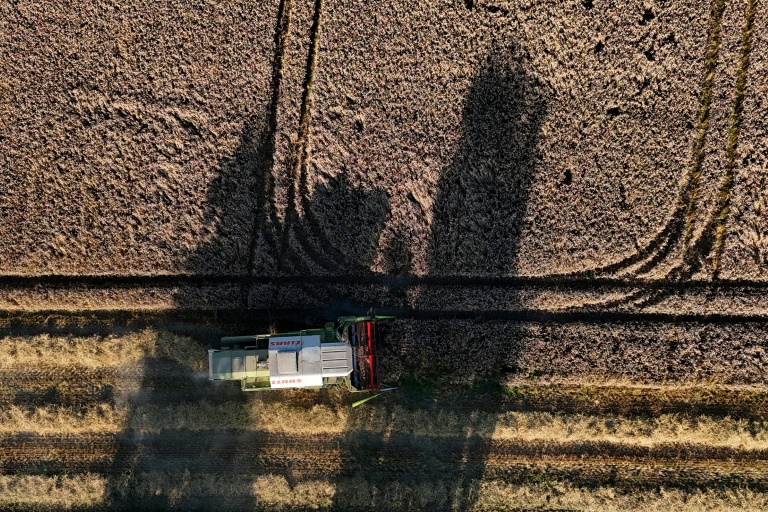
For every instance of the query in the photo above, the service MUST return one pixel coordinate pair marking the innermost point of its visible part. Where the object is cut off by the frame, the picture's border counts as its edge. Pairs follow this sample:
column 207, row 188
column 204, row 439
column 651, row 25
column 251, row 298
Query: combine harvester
column 345, row 353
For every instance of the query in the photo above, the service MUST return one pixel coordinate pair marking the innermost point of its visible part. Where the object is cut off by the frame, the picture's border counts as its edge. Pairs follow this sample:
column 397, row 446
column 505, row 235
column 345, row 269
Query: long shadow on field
column 479, row 208
column 336, row 233
column 182, row 464
column 399, row 464
column 188, row 466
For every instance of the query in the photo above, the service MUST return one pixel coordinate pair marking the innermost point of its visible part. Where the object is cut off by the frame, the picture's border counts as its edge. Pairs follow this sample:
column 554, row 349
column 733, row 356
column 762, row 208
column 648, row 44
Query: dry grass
column 726, row 432
column 60, row 420
column 98, row 351
column 497, row 496
column 183, row 485
column 62, row 492
column 273, row 492
column 255, row 415
column 526, row 426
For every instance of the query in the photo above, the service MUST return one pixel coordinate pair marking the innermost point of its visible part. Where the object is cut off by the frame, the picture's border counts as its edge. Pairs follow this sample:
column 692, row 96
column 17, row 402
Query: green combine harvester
column 344, row 353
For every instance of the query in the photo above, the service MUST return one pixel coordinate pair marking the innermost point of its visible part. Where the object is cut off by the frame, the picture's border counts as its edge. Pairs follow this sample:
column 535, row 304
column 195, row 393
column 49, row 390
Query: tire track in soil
column 680, row 221
column 707, row 248
column 264, row 171
column 679, row 228
column 679, row 224
column 720, row 215
column 312, row 243
column 654, row 252
column 302, row 144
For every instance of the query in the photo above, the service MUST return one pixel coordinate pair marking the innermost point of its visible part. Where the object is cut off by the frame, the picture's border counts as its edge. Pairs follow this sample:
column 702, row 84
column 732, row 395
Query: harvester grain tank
column 344, row 353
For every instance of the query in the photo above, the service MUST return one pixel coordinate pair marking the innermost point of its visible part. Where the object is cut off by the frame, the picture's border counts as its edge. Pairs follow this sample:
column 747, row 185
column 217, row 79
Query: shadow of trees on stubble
column 479, row 207
column 336, row 233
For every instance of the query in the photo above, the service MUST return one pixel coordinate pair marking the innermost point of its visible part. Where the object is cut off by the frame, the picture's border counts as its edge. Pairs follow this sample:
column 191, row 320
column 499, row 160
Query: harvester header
column 344, row 353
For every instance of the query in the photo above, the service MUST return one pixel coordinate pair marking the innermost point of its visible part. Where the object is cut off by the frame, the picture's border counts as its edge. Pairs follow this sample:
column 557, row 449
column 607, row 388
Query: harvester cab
column 345, row 353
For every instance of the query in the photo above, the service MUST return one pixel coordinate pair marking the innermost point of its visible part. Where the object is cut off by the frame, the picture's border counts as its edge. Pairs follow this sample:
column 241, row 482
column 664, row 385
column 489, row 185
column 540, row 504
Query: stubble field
column 561, row 203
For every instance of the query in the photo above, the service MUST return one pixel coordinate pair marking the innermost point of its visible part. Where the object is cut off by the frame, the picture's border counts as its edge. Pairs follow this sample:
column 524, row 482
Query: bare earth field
column 564, row 204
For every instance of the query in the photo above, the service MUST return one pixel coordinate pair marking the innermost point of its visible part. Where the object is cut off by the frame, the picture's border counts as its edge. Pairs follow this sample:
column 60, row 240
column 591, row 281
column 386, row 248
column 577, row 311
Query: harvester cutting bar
column 354, row 340
column 363, row 337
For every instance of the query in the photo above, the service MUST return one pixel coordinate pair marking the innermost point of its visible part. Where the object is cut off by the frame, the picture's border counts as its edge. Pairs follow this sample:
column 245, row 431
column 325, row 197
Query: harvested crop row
column 173, row 418
column 507, row 423
column 256, row 451
column 158, row 491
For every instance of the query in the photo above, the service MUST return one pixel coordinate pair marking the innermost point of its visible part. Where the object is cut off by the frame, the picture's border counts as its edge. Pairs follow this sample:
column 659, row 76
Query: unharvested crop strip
column 110, row 321
column 724, row 196
column 628, row 400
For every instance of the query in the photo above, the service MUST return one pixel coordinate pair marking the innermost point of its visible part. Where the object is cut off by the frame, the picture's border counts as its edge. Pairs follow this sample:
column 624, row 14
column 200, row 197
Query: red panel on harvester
column 370, row 356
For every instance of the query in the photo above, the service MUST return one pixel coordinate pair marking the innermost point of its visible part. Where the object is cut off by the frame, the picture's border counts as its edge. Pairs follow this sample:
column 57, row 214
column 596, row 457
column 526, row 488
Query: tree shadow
column 242, row 226
column 336, row 234
column 479, row 208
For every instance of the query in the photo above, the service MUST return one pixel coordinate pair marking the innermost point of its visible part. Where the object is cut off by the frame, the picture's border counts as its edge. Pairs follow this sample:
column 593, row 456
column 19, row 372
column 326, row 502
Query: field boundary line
column 61, row 281
column 16, row 322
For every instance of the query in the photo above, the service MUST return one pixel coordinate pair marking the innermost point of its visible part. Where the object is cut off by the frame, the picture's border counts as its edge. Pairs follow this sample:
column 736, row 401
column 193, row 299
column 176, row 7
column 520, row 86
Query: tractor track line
column 710, row 241
column 724, row 197
column 680, row 222
column 692, row 187
column 264, row 172
column 302, row 144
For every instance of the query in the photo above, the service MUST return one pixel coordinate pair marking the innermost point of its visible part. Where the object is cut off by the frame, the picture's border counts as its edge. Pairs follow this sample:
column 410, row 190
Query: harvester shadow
column 159, row 462
column 166, row 460
column 479, row 210
column 478, row 214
